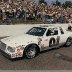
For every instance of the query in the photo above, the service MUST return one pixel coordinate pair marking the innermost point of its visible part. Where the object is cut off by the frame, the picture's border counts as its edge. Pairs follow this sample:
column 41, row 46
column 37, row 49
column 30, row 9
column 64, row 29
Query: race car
column 34, row 41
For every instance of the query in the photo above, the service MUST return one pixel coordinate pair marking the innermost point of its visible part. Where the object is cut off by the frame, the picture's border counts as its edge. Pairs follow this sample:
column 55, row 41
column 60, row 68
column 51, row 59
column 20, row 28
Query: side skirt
column 47, row 48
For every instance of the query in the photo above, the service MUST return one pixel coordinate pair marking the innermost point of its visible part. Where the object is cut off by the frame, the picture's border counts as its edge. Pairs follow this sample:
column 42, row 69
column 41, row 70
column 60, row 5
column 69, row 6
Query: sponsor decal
column 42, row 46
column 19, row 54
column 39, row 41
column 13, row 55
column 46, row 40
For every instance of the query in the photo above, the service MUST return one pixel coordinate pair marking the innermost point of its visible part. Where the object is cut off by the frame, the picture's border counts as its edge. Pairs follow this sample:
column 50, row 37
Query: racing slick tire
column 68, row 42
column 30, row 51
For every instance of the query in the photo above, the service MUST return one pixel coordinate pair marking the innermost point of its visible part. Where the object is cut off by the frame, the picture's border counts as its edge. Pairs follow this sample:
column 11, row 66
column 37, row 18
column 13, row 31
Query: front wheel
column 68, row 42
column 30, row 52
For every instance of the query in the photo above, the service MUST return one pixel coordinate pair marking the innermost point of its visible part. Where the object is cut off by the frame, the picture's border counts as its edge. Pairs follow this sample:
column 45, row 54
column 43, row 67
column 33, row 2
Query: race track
column 55, row 59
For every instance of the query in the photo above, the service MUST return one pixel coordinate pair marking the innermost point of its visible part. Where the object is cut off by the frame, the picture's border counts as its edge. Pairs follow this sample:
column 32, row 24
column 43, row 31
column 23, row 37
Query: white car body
column 18, row 43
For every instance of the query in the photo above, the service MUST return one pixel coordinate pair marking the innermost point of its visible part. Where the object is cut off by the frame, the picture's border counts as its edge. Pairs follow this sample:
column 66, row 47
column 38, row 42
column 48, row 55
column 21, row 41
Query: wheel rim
column 69, row 42
column 31, row 52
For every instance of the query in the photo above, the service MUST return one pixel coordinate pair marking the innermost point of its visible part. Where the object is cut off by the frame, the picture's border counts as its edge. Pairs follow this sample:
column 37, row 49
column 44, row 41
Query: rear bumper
column 5, row 54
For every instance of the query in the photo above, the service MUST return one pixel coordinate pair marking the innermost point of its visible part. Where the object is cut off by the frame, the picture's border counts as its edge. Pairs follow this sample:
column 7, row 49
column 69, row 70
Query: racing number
column 54, row 42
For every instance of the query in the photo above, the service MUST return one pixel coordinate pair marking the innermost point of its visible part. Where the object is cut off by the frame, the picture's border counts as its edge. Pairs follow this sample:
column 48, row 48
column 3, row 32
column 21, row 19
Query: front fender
column 37, row 47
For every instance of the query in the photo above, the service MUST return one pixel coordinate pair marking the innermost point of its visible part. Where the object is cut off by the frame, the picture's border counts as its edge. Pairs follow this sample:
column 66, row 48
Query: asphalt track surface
column 55, row 59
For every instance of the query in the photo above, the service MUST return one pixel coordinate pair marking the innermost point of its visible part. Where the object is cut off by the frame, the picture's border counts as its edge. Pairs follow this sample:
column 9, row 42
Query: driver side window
column 52, row 31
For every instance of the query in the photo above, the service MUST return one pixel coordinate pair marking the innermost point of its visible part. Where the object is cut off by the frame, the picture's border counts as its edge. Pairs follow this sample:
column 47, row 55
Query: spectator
column 30, row 10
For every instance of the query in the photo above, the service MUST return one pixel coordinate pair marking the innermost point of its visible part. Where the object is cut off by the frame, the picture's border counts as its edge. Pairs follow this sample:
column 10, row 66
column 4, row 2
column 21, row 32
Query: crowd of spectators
column 30, row 10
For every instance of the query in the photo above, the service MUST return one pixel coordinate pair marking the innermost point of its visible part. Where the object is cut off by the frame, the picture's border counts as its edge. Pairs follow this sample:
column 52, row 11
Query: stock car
column 34, row 41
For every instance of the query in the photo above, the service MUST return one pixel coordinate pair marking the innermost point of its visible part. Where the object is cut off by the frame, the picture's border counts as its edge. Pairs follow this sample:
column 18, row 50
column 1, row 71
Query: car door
column 52, row 38
column 63, row 36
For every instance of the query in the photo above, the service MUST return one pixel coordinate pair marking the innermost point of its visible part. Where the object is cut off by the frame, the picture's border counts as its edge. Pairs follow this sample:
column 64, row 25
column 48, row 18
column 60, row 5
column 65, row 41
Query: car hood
column 15, row 41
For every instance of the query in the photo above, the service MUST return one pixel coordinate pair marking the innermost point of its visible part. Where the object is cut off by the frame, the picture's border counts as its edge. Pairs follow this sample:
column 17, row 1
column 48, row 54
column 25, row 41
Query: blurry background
column 35, row 11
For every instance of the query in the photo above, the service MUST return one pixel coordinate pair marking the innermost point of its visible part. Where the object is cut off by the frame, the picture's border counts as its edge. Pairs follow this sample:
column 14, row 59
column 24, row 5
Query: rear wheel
column 68, row 42
column 30, row 51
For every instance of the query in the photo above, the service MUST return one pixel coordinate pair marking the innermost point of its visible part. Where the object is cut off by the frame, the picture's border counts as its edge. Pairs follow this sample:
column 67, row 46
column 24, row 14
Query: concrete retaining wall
column 8, row 30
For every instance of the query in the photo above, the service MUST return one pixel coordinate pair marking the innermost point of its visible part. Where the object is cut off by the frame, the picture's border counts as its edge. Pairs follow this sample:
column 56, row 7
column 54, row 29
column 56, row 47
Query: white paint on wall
column 9, row 30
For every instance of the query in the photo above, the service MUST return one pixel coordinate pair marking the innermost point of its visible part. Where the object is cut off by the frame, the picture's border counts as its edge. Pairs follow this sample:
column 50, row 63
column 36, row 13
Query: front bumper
column 5, row 54
column 9, row 56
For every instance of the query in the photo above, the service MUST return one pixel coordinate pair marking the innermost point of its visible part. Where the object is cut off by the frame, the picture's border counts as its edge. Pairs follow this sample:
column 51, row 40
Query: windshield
column 36, row 31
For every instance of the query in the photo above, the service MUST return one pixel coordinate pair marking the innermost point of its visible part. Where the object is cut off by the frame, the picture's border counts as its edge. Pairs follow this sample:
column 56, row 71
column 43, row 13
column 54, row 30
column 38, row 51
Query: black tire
column 30, row 51
column 68, row 42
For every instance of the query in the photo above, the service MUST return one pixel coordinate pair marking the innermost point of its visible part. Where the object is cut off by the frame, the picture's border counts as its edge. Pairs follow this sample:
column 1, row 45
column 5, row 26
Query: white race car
column 37, row 39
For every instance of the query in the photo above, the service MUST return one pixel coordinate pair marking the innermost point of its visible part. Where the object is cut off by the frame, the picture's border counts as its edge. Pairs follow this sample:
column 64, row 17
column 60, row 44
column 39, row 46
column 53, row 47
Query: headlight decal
column 10, row 49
